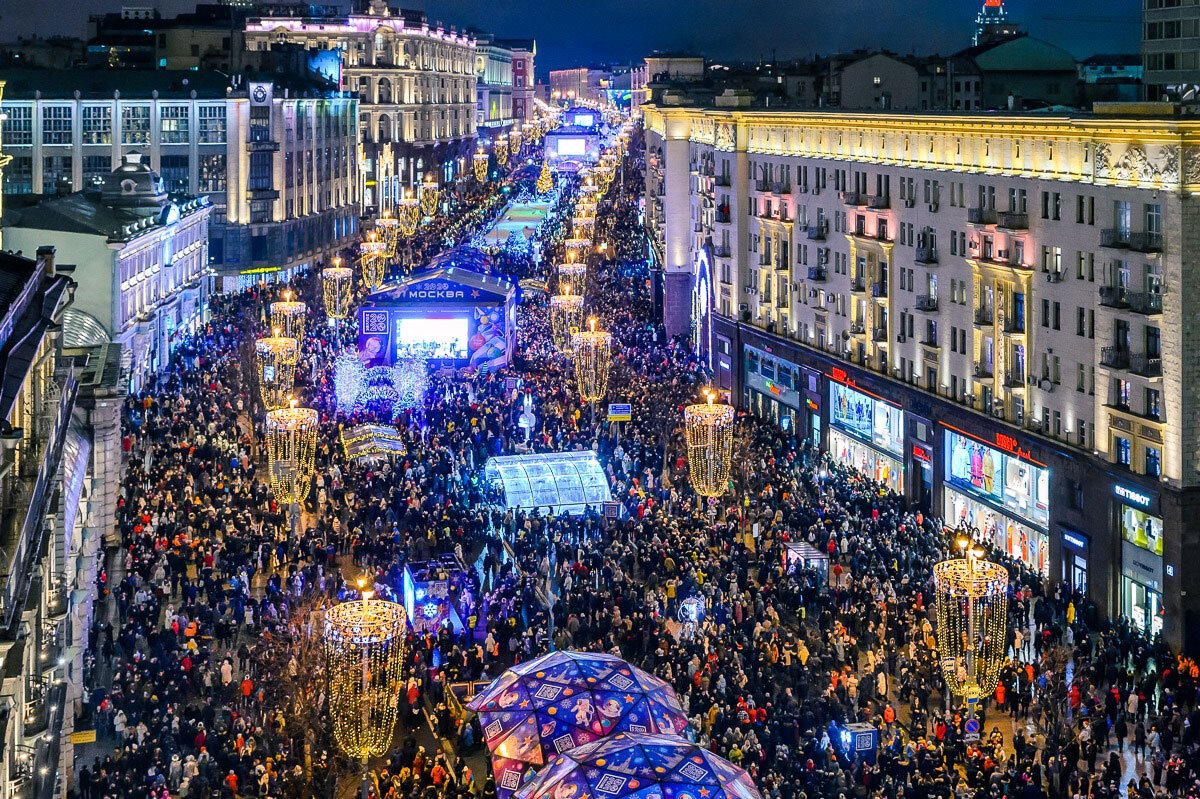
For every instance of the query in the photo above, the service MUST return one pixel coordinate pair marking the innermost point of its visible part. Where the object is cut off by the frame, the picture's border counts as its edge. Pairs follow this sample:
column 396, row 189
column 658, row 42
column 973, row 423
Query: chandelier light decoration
column 387, row 227
column 349, row 378
column 364, row 654
column 291, row 447
column 585, row 209
column 545, row 181
column 429, row 195
column 480, row 163
column 592, row 351
column 276, row 358
column 583, row 227
column 708, row 429
column 408, row 213
column 336, row 282
column 571, row 277
column 373, row 259
column 971, row 599
column 566, row 315
column 500, row 148
column 289, row 317
column 514, row 141
column 577, row 248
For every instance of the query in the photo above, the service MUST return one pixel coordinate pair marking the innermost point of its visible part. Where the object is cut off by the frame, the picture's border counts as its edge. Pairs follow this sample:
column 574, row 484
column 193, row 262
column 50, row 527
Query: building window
column 1153, row 461
column 55, row 168
column 18, row 125
column 95, row 167
column 18, row 175
column 135, row 124
column 211, row 172
column 174, row 172
column 212, row 124
column 97, row 124
column 173, row 124
column 1121, row 449
column 56, row 124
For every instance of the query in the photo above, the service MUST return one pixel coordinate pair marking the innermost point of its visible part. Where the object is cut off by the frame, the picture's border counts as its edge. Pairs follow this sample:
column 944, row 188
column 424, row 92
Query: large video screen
column 1004, row 479
column 866, row 417
column 432, row 337
column 572, row 146
column 585, row 120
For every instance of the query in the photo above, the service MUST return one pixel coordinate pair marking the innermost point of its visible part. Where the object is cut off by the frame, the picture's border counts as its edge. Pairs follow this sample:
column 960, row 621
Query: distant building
column 142, row 258
column 56, row 52
column 524, row 52
column 993, row 25
column 1170, row 48
column 493, row 84
column 584, row 84
column 1111, row 77
column 1013, row 73
column 890, row 82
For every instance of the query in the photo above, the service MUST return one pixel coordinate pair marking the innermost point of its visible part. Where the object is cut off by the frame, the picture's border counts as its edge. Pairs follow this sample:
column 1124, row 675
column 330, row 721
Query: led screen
column 869, row 418
column 585, row 120
column 1014, row 484
column 572, row 146
column 432, row 338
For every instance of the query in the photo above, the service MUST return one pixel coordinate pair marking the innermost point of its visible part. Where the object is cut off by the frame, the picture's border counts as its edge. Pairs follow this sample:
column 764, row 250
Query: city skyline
column 622, row 30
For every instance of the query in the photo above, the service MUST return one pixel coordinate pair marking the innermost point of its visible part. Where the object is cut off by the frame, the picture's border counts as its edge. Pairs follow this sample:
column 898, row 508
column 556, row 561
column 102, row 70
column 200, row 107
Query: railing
column 983, row 316
column 878, row 201
column 926, row 302
column 1114, row 357
column 879, row 289
column 880, row 334
column 1054, row 276
column 762, row 185
column 857, row 329
column 981, row 216
column 852, row 198
column 983, row 370
column 817, row 273
column 1014, row 324
column 1014, row 379
column 858, row 284
column 1145, row 365
column 927, row 255
column 1146, row 241
column 1012, row 220
column 781, row 188
column 817, row 232
column 1144, row 302
column 723, row 181
column 1113, row 296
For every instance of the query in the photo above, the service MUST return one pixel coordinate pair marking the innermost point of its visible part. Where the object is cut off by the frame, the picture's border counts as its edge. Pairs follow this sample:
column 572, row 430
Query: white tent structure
column 565, row 482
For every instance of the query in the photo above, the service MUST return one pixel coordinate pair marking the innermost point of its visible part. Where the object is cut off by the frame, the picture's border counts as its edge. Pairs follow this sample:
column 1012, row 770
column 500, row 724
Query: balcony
column 983, row 370
column 927, row 303
column 1121, row 239
column 858, row 284
column 1144, row 302
column 879, row 202
column 722, row 217
column 1145, row 366
column 1113, row 297
column 879, row 334
column 780, row 188
column 926, row 255
column 981, row 216
column 1011, row 220
column 262, row 193
column 879, row 289
column 818, row 232
column 1114, row 357
column 818, row 274
column 721, row 251
column 983, row 316
column 858, row 329
column 1014, row 379
column 1014, row 324
column 853, row 198
column 762, row 185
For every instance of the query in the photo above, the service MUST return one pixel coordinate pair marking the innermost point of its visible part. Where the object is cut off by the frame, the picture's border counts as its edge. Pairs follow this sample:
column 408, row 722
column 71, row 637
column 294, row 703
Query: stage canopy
column 567, row 482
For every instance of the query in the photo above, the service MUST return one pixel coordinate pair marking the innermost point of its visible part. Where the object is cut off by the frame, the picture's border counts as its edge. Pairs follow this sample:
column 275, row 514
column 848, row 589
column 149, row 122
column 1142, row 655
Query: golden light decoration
column 276, row 357
column 289, row 317
column 387, row 228
column 592, row 352
column 429, row 195
column 291, row 448
column 571, row 277
column 708, row 429
column 480, row 162
column 583, row 227
column 373, row 260
column 566, row 316
column 408, row 213
column 514, row 141
column 585, row 209
column 365, row 654
column 500, row 148
column 577, row 248
column 336, row 282
column 545, row 181
column 971, row 599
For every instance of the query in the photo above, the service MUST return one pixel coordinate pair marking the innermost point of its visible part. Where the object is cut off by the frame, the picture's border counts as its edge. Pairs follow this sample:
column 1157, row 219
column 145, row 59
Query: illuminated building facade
column 415, row 82
column 986, row 314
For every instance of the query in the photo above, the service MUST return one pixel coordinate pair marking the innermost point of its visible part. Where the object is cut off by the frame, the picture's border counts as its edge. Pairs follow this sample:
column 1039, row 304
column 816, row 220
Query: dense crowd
column 192, row 684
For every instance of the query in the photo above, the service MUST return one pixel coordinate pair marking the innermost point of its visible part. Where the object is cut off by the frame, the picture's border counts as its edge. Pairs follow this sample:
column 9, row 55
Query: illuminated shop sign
column 1133, row 497
column 1010, row 481
column 866, row 417
column 1074, row 540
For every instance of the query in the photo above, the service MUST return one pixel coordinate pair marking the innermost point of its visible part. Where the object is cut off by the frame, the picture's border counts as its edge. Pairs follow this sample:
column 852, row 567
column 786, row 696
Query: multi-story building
column 1170, row 48
column 51, row 529
column 415, row 82
column 143, row 262
column 278, row 160
column 524, row 51
column 985, row 313
column 580, row 85
column 493, row 84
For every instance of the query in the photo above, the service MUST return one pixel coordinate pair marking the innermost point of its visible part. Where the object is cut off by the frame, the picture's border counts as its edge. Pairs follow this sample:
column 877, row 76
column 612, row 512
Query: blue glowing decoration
column 411, row 380
column 430, row 610
column 348, row 380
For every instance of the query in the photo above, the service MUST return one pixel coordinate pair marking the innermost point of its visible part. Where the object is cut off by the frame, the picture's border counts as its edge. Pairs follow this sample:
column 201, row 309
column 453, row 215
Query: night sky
column 576, row 32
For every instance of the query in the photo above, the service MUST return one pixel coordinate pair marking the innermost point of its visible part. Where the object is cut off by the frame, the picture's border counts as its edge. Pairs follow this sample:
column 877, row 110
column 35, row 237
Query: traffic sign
column 971, row 730
column 619, row 412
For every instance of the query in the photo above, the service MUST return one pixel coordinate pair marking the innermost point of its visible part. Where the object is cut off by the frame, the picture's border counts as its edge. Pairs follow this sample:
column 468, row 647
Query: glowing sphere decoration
column 349, row 379
column 291, row 448
column 561, row 700
column 337, row 285
column 566, row 317
column 276, row 357
column 429, row 195
column 971, row 600
column 708, row 428
column 480, row 164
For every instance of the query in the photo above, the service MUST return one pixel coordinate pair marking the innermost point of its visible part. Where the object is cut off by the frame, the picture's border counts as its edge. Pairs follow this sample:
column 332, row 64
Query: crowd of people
column 195, row 690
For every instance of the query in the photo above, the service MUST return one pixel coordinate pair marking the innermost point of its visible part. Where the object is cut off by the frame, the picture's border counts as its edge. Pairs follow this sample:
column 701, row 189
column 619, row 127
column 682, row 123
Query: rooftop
column 86, row 212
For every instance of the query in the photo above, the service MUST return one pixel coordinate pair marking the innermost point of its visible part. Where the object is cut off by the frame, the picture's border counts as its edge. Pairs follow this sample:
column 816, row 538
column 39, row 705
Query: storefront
column 866, row 433
column 1141, row 557
column 1002, row 496
column 770, row 391
column 1076, row 550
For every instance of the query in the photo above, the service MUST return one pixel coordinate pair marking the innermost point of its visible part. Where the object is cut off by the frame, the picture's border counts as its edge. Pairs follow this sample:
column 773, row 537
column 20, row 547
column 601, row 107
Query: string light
column 592, row 352
column 566, row 314
column 336, row 282
column 429, row 195
column 291, row 447
column 971, row 599
column 480, row 163
column 577, row 248
column 411, row 380
column 388, row 228
column 365, row 654
column 373, row 260
column 545, row 181
column 583, row 228
column 289, row 317
column 408, row 213
column 708, row 429
column 514, row 141
column 571, row 277
column 501, row 149
column 349, row 377
column 276, row 357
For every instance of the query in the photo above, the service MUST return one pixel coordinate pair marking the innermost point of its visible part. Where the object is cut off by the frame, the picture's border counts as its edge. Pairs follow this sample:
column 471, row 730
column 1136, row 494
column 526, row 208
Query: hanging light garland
column 387, row 227
column 349, row 377
column 971, row 599
column 571, row 277
column 408, row 213
column 373, row 260
column 480, row 163
column 708, row 429
column 577, row 248
column 583, row 227
column 592, row 352
column 365, row 654
column 514, row 141
column 500, row 149
column 545, row 181
column 291, row 448
column 289, row 317
column 566, row 316
column 276, row 358
column 336, row 284
column 585, row 209
column 429, row 195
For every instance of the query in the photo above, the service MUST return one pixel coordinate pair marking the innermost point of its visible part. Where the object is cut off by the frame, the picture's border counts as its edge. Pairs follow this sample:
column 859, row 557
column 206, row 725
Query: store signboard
column 1008, row 481
column 1133, row 497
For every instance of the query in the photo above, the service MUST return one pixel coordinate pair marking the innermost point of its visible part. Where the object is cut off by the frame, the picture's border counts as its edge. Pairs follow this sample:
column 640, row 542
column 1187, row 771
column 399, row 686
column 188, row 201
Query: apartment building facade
column 278, row 162
column 416, row 85
column 1170, row 47
column 986, row 314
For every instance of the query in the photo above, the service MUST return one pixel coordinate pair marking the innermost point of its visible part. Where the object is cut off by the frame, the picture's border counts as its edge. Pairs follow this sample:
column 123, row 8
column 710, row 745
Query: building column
column 677, row 213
